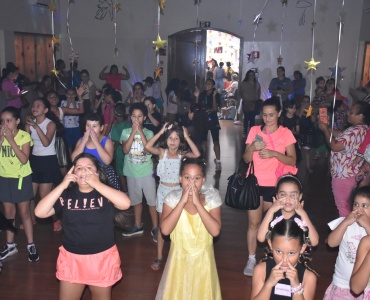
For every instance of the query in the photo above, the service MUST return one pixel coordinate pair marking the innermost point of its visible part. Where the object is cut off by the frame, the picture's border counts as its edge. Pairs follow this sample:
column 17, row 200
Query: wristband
column 297, row 289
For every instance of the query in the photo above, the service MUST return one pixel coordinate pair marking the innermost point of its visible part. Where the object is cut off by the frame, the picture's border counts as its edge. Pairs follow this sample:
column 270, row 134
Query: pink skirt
column 102, row 269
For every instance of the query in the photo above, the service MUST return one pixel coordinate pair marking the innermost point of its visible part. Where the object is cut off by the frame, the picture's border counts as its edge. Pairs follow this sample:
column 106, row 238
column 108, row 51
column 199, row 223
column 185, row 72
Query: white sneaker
column 218, row 166
column 248, row 270
column 237, row 123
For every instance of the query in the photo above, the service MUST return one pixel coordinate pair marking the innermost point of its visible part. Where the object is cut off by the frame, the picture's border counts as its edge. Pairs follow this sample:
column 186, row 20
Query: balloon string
column 70, row 41
column 158, row 25
column 336, row 68
column 196, row 47
column 115, row 29
column 282, row 30
column 257, row 20
column 312, row 47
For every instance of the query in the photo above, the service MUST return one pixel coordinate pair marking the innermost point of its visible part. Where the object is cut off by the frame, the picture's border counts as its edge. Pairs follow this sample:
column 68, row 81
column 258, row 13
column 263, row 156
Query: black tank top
column 270, row 263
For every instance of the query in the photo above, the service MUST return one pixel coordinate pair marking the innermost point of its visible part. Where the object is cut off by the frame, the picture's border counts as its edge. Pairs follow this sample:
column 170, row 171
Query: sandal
column 57, row 226
column 21, row 227
column 156, row 264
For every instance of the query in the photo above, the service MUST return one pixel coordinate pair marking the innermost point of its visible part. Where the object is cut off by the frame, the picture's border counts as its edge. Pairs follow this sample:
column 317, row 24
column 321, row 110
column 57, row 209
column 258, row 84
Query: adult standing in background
column 249, row 93
column 281, row 86
column 74, row 75
column 114, row 77
column 11, row 91
column 218, row 76
column 299, row 86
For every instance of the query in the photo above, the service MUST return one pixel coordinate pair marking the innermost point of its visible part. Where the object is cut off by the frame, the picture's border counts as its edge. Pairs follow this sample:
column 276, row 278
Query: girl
column 170, row 152
column 42, row 126
column 192, row 216
column 111, row 97
column 172, row 92
column 98, row 145
column 344, row 146
column 284, row 273
column 153, row 121
column 347, row 233
column 136, row 96
column 289, row 204
column 290, row 120
column 361, row 275
column 12, row 93
column 16, row 179
column 87, row 205
column 260, row 145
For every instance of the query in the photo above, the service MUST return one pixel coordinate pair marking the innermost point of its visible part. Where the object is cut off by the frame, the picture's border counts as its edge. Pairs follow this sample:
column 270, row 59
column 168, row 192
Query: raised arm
column 125, row 76
column 101, row 74
column 44, row 138
column 336, row 236
column 194, row 149
column 149, row 146
column 22, row 154
column 361, row 270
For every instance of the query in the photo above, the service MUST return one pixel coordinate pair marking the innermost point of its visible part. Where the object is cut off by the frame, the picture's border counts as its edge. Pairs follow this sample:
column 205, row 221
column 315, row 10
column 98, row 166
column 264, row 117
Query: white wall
column 93, row 40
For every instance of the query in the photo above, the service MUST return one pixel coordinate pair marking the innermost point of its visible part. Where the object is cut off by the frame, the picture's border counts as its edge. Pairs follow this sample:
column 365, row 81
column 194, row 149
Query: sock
column 10, row 245
column 253, row 256
column 218, row 160
column 29, row 245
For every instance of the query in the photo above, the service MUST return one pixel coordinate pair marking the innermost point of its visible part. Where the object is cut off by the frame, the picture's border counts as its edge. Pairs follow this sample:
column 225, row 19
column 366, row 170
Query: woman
column 266, row 146
column 172, row 92
column 250, row 93
column 113, row 77
column 218, row 76
column 344, row 148
column 89, row 95
column 11, row 91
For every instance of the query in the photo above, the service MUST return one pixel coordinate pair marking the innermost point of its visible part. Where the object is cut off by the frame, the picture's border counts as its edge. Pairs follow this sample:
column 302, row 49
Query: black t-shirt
column 149, row 125
column 290, row 123
column 206, row 101
column 88, row 221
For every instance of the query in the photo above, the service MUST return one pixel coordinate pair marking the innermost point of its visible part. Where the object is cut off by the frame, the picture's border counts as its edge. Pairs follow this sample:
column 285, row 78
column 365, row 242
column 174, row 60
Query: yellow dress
column 190, row 272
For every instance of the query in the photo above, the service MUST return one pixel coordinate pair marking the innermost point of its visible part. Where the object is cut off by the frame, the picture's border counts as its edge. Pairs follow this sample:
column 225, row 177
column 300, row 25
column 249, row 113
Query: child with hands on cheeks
column 170, row 151
column 284, row 273
column 347, row 233
column 87, row 203
column 192, row 216
column 289, row 204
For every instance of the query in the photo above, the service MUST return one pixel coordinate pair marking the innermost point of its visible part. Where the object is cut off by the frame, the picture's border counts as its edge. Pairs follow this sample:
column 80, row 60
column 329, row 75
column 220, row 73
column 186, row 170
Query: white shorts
column 137, row 187
column 162, row 192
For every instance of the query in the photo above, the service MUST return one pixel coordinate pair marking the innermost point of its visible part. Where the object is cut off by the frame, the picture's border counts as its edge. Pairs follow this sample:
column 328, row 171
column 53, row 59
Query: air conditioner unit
column 41, row 3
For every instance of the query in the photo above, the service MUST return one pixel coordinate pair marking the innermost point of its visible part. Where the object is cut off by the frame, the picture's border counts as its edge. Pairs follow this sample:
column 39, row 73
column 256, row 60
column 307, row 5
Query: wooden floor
column 20, row 279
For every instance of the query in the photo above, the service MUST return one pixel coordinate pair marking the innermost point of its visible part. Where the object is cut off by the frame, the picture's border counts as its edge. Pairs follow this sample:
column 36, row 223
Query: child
column 111, row 97
column 16, row 179
column 119, row 156
column 290, row 120
column 197, row 128
column 340, row 116
column 42, row 126
column 153, row 121
column 192, row 215
column 347, row 233
column 289, row 204
column 88, row 255
column 284, row 273
column 95, row 143
column 138, row 168
column 361, row 271
column 170, row 151
column 228, row 113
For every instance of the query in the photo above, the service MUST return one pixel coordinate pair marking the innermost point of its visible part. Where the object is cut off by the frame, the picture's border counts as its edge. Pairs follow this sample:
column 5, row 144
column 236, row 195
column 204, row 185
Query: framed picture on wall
column 366, row 65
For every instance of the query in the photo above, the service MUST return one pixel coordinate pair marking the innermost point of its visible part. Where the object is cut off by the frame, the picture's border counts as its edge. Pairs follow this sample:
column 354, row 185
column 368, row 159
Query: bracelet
column 299, row 292
column 80, row 101
column 297, row 289
column 185, row 138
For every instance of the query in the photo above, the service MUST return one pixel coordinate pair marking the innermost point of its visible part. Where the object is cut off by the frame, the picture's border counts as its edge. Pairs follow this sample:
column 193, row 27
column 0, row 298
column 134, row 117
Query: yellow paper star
column 312, row 64
column 117, row 6
column 55, row 40
column 161, row 4
column 279, row 60
column 157, row 72
column 52, row 6
column 309, row 111
column 54, row 71
column 159, row 44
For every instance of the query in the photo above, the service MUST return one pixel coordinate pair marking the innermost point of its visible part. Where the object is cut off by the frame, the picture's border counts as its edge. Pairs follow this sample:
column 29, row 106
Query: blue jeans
column 249, row 117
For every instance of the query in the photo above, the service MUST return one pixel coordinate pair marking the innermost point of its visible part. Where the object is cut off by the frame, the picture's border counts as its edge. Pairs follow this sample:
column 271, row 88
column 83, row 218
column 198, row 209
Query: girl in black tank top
column 283, row 273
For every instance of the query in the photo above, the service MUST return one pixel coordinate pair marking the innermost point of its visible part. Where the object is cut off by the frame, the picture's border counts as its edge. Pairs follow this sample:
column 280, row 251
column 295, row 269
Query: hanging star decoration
column 117, row 6
column 251, row 57
column 257, row 19
column 54, row 71
column 159, row 43
column 161, row 6
column 279, row 60
column 52, row 6
column 157, row 72
column 55, row 40
column 312, row 64
column 284, row 2
column 73, row 57
column 309, row 111
column 197, row 2
column 339, row 72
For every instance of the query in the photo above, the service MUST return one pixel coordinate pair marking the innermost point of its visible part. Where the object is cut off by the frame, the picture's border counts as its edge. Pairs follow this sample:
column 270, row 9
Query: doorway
column 190, row 50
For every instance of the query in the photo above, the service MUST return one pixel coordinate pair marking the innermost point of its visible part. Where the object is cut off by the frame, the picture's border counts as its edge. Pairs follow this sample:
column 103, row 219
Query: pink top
column 364, row 144
column 106, row 113
column 10, row 86
column 341, row 163
column 114, row 80
column 264, row 169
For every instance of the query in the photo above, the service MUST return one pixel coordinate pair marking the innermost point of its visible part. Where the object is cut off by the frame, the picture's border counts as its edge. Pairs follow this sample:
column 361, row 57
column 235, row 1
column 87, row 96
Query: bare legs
column 138, row 209
column 73, row 291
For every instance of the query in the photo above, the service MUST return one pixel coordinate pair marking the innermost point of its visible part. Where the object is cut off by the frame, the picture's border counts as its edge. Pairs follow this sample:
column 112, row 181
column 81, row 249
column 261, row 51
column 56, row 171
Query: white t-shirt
column 347, row 252
column 69, row 120
column 149, row 91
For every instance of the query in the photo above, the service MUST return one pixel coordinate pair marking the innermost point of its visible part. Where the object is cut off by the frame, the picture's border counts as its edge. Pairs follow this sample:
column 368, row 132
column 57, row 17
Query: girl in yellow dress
column 192, row 216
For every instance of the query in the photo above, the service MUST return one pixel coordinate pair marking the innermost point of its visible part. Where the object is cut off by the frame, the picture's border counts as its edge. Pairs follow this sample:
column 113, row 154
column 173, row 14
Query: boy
column 138, row 169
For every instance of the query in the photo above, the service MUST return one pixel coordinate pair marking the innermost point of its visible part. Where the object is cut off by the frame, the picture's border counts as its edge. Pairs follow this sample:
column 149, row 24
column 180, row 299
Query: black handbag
column 243, row 192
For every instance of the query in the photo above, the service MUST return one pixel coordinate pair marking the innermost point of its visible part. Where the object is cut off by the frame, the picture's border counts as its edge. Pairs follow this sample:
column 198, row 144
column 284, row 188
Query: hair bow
column 301, row 224
column 277, row 220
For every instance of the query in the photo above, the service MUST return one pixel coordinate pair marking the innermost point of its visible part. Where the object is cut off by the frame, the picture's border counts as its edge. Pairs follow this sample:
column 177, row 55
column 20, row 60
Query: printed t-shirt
column 264, row 169
column 138, row 163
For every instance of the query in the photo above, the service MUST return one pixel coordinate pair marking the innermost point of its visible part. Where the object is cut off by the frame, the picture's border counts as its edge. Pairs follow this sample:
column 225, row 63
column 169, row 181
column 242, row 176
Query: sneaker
column 248, row 270
column 8, row 251
column 237, row 123
column 134, row 231
column 218, row 165
column 154, row 233
column 32, row 253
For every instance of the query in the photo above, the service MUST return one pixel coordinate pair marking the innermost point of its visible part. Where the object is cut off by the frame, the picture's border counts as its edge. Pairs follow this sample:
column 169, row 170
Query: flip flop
column 156, row 264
